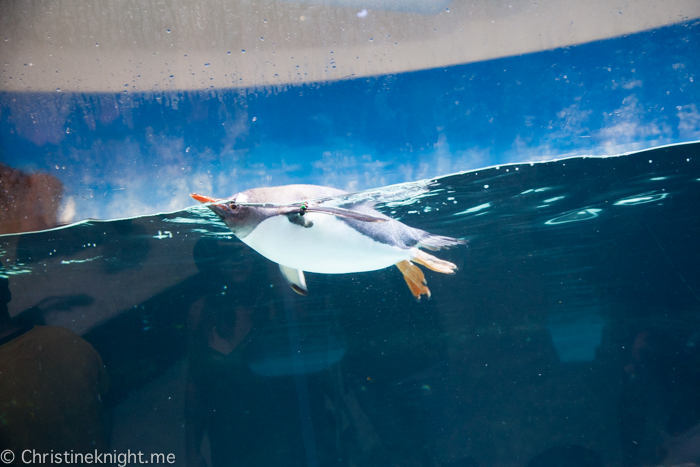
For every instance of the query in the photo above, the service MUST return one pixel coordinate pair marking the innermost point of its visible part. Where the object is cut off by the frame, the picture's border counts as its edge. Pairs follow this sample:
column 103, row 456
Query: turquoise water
column 572, row 320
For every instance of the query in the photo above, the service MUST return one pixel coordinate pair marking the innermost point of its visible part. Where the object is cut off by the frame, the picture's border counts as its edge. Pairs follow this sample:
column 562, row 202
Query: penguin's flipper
column 414, row 278
column 295, row 278
column 338, row 212
column 431, row 262
column 347, row 213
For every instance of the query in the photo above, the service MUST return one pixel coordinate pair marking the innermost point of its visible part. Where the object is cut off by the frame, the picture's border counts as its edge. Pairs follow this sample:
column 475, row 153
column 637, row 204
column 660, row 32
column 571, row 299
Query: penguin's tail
column 433, row 263
column 438, row 242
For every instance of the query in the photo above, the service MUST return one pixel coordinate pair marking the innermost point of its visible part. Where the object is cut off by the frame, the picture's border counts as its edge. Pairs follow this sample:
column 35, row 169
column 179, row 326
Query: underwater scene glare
column 569, row 335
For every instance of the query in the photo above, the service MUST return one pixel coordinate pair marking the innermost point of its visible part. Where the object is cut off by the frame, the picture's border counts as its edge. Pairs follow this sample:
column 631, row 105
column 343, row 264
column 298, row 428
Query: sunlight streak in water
column 576, row 216
column 478, row 208
column 644, row 198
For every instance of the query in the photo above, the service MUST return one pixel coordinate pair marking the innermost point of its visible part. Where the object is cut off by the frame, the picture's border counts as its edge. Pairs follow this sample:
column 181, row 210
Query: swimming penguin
column 290, row 226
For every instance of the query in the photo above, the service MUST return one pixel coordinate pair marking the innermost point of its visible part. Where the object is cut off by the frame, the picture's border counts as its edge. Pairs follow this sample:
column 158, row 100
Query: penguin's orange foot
column 414, row 278
column 431, row 262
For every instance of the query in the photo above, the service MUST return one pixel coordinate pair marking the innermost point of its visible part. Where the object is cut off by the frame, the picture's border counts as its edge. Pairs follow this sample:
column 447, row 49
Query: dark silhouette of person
column 52, row 383
column 243, row 414
column 681, row 445
column 659, row 408
column 30, row 201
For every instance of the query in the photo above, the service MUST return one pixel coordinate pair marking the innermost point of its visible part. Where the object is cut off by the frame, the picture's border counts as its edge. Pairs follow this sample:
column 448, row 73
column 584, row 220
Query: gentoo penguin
column 291, row 226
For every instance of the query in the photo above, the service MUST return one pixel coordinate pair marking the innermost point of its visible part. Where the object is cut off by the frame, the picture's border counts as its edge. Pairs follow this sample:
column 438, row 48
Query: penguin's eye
column 232, row 206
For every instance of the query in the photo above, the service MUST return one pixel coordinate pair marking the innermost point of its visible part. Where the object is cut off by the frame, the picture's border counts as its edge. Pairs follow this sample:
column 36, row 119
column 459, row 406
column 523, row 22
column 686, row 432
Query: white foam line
column 565, row 158
column 104, row 221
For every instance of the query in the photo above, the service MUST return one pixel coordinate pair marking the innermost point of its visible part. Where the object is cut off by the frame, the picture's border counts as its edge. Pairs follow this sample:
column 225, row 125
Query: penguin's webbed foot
column 415, row 279
column 434, row 263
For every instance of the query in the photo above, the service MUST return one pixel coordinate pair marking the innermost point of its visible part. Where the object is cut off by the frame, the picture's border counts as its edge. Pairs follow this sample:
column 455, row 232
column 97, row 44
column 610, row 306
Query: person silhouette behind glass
column 244, row 415
column 52, row 383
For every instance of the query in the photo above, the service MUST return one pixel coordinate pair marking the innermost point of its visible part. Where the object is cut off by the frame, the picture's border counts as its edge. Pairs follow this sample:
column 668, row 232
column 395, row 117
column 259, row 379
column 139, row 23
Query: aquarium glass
column 556, row 145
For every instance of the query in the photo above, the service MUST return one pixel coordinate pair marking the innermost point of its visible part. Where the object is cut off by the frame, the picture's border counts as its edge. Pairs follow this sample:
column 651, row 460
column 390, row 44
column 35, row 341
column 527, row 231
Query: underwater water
column 572, row 326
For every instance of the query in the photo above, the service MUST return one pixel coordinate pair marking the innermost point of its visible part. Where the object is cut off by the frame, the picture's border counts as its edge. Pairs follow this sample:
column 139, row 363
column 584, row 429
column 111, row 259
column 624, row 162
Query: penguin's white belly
column 330, row 246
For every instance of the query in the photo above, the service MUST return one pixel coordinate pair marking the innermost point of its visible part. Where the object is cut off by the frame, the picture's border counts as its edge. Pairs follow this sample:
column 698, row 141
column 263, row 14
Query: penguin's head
column 240, row 218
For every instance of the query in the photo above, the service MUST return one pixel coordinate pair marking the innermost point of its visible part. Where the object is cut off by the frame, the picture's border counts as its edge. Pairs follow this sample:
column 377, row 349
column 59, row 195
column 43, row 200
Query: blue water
column 121, row 155
column 572, row 321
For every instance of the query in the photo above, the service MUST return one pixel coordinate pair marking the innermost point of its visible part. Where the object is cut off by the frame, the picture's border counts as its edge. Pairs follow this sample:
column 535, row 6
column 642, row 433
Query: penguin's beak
column 203, row 199
column 220, row 210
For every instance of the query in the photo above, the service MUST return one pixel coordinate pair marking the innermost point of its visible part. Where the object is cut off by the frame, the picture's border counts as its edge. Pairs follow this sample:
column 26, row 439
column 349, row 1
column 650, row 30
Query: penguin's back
column 391, row 232
column 287, row 194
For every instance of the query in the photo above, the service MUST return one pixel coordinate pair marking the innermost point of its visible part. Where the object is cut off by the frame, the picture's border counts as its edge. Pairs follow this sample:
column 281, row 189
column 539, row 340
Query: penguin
column 291, row 226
